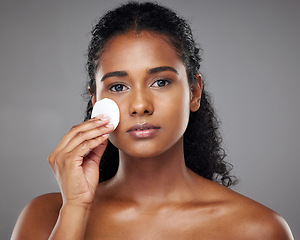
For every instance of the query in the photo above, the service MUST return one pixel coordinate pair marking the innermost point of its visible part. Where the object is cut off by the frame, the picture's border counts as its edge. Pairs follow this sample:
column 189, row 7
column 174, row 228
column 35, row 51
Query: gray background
column 251, row 65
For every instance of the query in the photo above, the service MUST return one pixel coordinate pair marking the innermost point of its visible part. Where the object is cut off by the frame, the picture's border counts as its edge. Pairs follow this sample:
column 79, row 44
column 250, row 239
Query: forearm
column 71, row 223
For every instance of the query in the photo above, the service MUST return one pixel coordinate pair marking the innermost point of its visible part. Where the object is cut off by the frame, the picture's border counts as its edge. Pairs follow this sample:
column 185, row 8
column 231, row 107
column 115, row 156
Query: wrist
column 78, row 212
column 75, row 206
column 72, row 222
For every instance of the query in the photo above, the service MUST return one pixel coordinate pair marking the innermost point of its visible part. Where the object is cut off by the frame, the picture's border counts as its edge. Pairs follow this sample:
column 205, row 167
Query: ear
column 196, row 91
column 92, row 96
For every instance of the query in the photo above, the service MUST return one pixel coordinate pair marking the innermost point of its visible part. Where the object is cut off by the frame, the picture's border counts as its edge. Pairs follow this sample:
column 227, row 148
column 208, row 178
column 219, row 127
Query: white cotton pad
column 108, row 108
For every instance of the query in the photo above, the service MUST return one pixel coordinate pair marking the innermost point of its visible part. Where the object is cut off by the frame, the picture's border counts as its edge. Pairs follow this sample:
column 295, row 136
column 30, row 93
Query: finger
column 87, row 135
column 98, row 121
column 86, row 147
column 85, row 126
column 96, row 153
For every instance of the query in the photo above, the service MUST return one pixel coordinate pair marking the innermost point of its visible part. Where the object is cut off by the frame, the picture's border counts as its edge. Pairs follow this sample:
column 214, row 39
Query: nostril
column 141, row 107
column 146, row 111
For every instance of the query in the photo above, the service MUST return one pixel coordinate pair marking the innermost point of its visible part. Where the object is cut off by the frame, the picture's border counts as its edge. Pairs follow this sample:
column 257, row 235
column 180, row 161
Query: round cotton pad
column 108, row 108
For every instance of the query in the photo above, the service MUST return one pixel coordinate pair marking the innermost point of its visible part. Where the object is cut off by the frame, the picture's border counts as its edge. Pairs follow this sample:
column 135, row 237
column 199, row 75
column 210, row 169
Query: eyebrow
column 114, row 74
column 162, row 69
column 150, row 71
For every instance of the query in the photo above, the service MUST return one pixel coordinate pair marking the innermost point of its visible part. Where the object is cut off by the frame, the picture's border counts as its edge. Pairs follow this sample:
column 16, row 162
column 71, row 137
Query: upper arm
column 38, row 218
column 278, row 229
column 268, row 226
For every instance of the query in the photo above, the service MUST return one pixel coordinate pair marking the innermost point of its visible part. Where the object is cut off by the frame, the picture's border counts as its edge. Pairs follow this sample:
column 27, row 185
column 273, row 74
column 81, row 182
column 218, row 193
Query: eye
column 160, row 83
column 118, row 88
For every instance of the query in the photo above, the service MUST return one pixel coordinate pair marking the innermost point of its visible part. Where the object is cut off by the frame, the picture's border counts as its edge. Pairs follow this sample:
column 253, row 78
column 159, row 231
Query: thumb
column 91, row 164
column 96, row 153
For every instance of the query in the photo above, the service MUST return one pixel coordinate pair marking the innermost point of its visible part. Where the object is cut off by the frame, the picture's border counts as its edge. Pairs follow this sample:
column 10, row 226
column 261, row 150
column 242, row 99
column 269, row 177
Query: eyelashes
column 120, row 87
column 161, row 83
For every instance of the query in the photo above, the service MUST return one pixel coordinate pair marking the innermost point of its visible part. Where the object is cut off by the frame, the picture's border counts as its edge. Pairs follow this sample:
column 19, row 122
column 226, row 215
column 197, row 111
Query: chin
column 146, row 155
column 147, row 151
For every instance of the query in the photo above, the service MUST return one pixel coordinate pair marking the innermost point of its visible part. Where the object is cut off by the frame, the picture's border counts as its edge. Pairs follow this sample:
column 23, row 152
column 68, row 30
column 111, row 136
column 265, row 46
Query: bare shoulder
column 249, row 219
column 259, row 222
column 38, row 218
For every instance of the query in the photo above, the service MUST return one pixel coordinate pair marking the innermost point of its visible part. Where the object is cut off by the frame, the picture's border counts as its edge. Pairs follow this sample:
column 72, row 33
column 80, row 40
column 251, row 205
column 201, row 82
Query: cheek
column 180, row 105
column 173, row 112
column 178, row 117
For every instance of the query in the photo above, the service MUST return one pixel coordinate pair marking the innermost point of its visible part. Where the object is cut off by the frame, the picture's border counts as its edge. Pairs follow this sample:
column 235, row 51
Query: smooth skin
column 153, row 195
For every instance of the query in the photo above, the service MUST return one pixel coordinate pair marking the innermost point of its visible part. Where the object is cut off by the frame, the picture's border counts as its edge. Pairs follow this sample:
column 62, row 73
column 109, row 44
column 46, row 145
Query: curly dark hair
column 202, row 140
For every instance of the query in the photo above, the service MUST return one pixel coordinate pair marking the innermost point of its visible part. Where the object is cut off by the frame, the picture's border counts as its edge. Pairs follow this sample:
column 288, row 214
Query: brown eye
column 160, row 83
column 118, row 88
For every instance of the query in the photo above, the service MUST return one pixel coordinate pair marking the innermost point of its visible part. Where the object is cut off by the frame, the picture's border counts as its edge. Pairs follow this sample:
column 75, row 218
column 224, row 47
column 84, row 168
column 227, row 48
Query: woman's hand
column 75, row 161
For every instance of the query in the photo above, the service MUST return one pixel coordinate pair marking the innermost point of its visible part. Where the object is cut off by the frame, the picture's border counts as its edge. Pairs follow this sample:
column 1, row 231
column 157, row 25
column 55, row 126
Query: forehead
column 144, row 49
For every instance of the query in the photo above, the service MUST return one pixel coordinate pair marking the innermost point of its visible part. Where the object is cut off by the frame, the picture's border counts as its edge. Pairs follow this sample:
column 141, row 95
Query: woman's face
column 144, row 76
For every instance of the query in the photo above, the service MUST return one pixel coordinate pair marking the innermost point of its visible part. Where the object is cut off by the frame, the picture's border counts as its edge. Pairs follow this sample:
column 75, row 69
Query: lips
column 144, row 130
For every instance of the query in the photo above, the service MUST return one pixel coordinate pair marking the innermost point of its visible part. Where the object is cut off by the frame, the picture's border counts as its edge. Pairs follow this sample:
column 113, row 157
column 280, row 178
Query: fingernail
column 109, row 125
column 104, row 118
column 99, row 116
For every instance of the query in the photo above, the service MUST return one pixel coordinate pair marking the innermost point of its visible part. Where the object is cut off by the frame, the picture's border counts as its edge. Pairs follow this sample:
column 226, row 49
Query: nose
column 141, row 104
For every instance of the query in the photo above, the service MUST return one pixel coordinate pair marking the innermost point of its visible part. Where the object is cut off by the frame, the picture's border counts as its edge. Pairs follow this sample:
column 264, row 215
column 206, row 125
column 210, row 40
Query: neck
column 160, row 178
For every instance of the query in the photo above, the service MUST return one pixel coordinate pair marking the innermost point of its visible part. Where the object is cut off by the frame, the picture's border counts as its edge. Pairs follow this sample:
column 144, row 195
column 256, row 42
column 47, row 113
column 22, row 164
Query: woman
column 159, row 169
